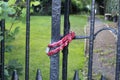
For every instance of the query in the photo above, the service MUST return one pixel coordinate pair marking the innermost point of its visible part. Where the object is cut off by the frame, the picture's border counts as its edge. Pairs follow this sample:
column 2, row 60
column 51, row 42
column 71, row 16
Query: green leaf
column 16, row 31
column 0, row 10
column 35, row 3
column 1, row 38
column 5, row 5
column 8, row 48
column 11, row 2
column 14, row 65
column 1, row 32
column 23, row 12
column 11, row 11
column 6, row 72
column 1, row 2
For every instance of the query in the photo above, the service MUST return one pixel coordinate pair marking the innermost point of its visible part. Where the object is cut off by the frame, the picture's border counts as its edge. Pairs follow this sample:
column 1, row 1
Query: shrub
column 11, row 66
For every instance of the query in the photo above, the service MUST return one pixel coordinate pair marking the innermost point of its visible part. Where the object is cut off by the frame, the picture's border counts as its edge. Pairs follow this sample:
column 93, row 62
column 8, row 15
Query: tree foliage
column 46, row 7
column 75, row 6
column 79, row 6
column 112, row 6
column 5, row 10
column 12, row 12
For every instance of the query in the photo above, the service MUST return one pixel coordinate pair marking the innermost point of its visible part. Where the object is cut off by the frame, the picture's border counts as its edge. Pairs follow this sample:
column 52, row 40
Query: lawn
column 40, row 38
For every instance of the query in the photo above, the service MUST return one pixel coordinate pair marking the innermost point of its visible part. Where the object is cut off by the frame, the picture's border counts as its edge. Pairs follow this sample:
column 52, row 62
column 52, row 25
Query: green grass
column 40, row 38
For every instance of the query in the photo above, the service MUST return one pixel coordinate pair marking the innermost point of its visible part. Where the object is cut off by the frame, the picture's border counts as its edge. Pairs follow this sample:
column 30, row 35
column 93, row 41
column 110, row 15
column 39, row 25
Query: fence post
column 27, row 40
column 66, row 31
column 117, row 74
column 91, row 40
column 38, row 75
column 14, row 75
column 55, row 36
column 2, row 24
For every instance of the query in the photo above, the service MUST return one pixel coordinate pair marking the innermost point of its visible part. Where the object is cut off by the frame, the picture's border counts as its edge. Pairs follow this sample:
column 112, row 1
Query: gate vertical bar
column 117, row 73
column 66, row 31
column 2, row 23
column 55, row 36
column 91, row 40
column 27, row 40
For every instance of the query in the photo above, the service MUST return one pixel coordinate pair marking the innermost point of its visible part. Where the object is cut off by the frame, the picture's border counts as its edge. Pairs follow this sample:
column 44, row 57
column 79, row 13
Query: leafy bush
column 5, row 10
column 14, row 65
column 79, row 6
column 12, row 11
column 11, row 66
column 44, row 6
column 9, row 37
column 6, row 74
column 76, row 6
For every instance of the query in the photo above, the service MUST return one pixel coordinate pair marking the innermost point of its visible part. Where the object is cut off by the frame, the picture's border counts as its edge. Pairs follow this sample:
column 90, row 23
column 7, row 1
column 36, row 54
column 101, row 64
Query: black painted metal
column 2, row 24
column 117, row 75
column 66, row 31
column 55, row 36
column 38, row 75
column 106, row 28
column 14, row 75
column 76, row 75
column 27, row 40
column 91, row 40
column 81, row 37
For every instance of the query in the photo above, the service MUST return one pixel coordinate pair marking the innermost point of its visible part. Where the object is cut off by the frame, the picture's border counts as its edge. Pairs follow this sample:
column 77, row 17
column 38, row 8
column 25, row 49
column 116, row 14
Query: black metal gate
column 54, row 60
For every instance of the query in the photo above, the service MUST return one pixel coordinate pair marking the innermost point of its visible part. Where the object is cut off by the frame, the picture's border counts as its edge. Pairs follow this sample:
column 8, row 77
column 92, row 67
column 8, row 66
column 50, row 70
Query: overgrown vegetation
column 76, row 6
column 11, row 66
column 11, row 12
column 112, row 7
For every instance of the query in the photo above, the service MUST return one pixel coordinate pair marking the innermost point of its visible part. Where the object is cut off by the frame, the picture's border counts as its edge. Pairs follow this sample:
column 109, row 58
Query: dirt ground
column 104, row 52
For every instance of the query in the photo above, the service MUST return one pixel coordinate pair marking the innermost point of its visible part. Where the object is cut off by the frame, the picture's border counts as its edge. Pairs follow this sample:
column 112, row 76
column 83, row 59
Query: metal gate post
column 117, row 74
column 91, row 40
column 55, row 36
column 66, row 31
column 27, row 40
column 2, row 24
